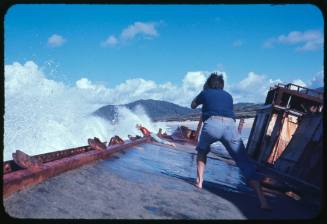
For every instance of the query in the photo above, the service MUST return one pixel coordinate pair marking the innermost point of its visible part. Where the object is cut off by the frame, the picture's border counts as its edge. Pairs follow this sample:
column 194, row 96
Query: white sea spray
column 43, row 115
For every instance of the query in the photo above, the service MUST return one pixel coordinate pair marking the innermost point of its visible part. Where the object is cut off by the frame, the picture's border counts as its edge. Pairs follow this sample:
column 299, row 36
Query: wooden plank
column 257, row 132
column 268, row 145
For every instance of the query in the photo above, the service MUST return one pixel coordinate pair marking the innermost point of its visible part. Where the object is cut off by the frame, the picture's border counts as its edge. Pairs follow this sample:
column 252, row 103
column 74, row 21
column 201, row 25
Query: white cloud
column 308, row 40
column 93, row 92
column 311, row 45
column 299, row 82
column 253, row 88
column 56, row 40
column 110, row 41
column 269, row 43
column 147, row 30
column 84, row 83
column 28, row 77
column 251, row 81
column 141, row 28
column 238, row 43
column 295, row 37
column 317, row 80
column 135, row 89
column 194, row 80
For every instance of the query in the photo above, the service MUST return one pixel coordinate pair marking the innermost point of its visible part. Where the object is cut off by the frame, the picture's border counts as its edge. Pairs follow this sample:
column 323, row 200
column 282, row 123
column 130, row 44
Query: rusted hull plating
column 20, row 179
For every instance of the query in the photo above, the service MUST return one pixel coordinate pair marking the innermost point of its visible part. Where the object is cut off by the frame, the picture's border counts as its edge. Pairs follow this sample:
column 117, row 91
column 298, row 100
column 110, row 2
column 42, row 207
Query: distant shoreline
column 159, row 110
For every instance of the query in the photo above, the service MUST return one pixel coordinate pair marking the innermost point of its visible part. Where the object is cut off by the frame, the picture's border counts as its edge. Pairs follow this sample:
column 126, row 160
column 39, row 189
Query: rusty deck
column 16, row 178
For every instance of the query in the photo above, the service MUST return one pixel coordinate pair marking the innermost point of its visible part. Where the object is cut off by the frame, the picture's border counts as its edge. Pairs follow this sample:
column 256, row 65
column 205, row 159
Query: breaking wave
column 43, row 115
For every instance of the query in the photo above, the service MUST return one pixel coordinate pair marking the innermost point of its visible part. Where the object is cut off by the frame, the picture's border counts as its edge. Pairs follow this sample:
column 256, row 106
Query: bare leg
column 235, row 146
column 201, row 163
column 257, row 188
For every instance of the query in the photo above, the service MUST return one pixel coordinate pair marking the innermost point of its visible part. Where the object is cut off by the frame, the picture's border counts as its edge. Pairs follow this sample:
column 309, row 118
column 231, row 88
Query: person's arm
column 194, row 104
column 196, row 101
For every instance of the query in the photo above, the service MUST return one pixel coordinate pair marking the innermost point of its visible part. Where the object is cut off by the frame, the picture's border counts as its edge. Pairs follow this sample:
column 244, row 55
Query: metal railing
column 299, row 89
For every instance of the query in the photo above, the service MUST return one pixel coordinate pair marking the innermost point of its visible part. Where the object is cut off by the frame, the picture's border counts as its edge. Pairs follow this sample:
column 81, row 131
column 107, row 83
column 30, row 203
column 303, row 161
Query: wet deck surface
column 150, row 182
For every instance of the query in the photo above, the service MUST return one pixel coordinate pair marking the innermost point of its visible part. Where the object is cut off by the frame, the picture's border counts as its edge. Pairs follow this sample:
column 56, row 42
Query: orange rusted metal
column 22, row 178
column 10, row 166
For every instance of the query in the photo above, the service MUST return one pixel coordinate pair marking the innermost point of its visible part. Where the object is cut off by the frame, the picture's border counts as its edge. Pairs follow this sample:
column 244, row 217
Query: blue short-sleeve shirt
column 215, row 102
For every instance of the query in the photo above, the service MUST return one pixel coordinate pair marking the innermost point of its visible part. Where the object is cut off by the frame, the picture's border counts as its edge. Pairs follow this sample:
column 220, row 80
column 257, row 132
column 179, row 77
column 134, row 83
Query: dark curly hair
column 214, row 81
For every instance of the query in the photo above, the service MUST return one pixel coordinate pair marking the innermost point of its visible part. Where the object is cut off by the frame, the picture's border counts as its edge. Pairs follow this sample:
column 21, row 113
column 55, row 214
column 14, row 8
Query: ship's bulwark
column 15, row 180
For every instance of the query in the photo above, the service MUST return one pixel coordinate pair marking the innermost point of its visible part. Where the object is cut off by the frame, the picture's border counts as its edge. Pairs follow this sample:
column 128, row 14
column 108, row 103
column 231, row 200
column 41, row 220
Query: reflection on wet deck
column 136, row 165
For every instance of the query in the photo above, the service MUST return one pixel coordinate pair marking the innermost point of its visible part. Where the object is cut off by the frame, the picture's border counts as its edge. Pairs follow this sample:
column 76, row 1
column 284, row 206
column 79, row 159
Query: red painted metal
column 20, row 179
column 11, row 166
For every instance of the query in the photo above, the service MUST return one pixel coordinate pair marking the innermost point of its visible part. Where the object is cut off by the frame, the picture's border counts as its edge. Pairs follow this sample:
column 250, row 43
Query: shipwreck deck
column 151, row 182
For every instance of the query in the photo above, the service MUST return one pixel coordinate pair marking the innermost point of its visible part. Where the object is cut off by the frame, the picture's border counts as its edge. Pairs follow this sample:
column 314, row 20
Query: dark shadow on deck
column 283, row 208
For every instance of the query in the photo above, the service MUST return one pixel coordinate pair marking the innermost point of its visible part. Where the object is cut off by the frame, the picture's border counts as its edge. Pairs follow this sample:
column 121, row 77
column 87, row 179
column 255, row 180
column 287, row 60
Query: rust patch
column 20, row 179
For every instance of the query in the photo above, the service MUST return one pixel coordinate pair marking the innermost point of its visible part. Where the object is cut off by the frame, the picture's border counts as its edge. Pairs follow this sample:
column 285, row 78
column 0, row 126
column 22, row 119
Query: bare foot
column 198, row 184
column 263, row 201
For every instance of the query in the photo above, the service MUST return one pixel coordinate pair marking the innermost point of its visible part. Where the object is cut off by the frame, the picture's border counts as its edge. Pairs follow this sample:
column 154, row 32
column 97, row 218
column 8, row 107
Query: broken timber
column 287, row 133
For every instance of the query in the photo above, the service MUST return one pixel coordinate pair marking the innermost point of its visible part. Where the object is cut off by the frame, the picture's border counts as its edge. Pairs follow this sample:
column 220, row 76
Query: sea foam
column 43, row 115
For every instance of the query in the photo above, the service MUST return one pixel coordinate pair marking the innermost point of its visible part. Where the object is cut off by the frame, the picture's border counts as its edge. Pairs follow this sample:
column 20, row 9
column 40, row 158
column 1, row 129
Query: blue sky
column 106, row 45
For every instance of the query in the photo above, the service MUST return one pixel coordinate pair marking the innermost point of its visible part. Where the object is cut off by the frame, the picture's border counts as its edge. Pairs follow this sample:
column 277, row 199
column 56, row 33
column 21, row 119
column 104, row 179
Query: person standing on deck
column 219, row 125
